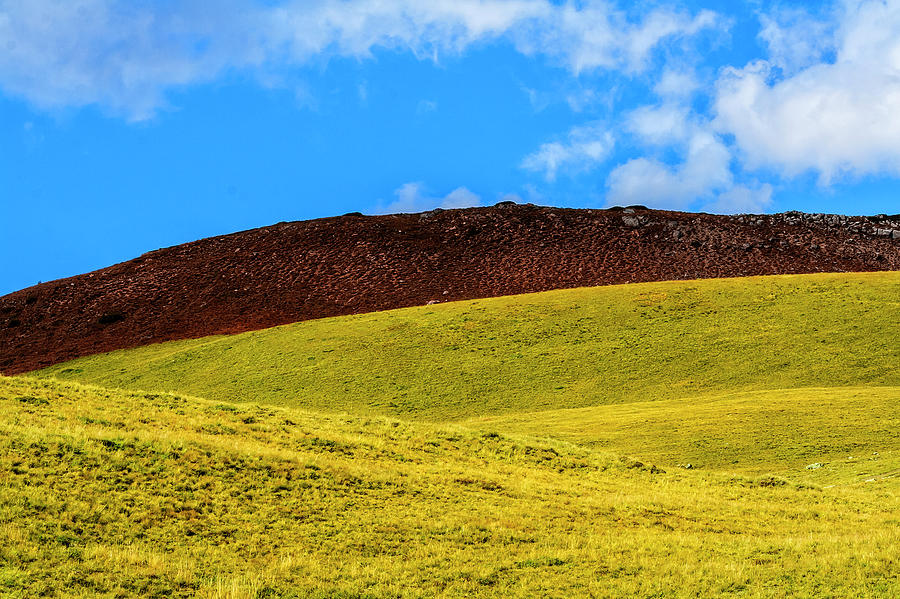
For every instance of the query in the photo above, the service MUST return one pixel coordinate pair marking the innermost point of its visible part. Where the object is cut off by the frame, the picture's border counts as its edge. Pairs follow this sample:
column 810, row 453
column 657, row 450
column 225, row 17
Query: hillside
column 354, row 264
column 853, row 432
column 115, row 494
column 560, row 349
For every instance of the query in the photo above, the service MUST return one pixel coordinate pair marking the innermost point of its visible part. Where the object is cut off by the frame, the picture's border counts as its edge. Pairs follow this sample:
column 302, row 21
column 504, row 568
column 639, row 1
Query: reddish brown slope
column 343, row 265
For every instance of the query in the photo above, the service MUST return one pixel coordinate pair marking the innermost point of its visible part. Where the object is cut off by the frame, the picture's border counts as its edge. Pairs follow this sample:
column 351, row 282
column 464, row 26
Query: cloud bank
column 822, row 99
column 125, row 56
column 835, row 117
column 825, row 101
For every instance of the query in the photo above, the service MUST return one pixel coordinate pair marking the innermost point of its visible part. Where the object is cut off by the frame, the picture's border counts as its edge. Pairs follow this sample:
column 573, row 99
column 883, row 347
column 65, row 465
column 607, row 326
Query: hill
column 355, row 264
column 114, row 494
column 554, row 350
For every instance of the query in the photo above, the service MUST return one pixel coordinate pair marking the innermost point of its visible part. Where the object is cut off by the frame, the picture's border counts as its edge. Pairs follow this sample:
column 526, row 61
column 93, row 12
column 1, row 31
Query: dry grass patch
column 115, row 494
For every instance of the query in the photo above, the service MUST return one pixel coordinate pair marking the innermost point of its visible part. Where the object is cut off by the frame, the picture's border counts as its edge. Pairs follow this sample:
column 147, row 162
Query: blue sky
column 131, row 125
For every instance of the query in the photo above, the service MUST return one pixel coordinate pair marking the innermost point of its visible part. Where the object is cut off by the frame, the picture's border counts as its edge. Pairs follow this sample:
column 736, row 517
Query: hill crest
column 352, row 264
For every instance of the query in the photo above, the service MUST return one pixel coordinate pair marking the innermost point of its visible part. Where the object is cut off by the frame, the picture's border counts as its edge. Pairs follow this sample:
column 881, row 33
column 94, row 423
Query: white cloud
column 676, row 84
column 76, row 52
column 585, row 147
column 742, row 199
column 125, row 56
column 413, row 197
column 355, row 27
column 661, row 125
column 460, row 198
column 795, row 38
column 662, row 24
column 705, row 170
column 598, row 35
column 703, row 177
column 834, row 118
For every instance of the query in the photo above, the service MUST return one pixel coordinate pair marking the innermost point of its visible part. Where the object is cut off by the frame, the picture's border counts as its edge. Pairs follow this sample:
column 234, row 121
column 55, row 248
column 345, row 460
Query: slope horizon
column 417, row 211
column 352, row 264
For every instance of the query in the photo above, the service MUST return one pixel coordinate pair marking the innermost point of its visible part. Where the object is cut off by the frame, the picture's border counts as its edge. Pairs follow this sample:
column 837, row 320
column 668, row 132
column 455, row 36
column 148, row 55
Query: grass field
column 853, row 432
column 521, row 446
column 111, row 494
column 562, row 349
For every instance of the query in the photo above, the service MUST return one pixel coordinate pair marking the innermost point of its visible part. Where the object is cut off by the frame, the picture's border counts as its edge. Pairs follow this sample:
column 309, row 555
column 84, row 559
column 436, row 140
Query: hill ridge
column 614, row 344
column 302, row 270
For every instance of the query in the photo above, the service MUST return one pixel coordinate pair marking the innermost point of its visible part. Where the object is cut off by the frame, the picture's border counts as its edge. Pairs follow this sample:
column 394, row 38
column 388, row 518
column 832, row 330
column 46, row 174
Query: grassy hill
column 548, row 351
column 113, row 493
column 525, row 446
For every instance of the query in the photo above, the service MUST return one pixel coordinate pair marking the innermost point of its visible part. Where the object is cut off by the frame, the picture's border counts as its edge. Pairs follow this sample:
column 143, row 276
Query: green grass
column 853, row 432
column 562, row 349
column 521, row 446
column 117, row 494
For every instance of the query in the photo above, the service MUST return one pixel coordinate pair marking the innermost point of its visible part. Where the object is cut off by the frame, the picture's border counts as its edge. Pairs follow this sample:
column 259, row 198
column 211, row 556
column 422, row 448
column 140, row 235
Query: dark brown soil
column 351, row 264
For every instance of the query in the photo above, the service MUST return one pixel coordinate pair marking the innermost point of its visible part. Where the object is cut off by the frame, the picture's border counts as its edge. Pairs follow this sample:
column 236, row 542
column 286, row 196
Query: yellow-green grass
column 118, row 494
column 853, row 433
column 561, row 349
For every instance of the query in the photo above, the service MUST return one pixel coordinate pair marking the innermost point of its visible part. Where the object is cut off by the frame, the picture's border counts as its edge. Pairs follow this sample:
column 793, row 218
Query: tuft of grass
column 121, row 494
column 560, row 349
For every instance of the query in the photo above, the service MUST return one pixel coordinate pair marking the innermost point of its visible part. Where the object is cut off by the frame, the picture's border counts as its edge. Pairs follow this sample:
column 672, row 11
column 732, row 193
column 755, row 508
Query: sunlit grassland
column 110, row 493
column 520, row 446
column 853, row 432
column 561, row 349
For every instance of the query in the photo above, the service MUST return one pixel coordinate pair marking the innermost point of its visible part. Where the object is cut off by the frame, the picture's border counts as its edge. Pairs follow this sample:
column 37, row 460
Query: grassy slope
column 853, row 432
column 110, row 493
column 562, row 349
